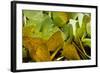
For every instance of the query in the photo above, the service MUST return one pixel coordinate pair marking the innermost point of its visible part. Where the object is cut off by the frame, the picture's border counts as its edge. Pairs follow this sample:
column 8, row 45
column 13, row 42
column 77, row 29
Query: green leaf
column 55, row 41
column 83, row 25
column 42, row 54
column 42, row 24
column 48, row 28
column 37, row 48
column 88, row 29
column 68, row 32
column 33, row 18
column 74, row 25
column 86, row 42
column 27, row 31
column 72, row 15
column 70, row 52
column 80, row 19
column 60, row 18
